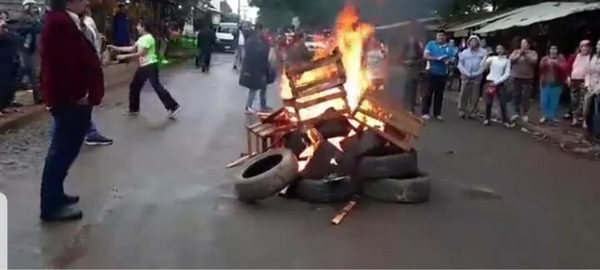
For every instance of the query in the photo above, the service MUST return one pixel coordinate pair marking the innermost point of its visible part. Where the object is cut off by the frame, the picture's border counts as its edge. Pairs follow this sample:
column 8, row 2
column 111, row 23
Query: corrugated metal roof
column 481, row 22
column 399, row 24
column 542, row 12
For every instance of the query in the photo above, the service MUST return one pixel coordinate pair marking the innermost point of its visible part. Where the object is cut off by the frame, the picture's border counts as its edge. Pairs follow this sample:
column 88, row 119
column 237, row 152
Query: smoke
column 383, row 12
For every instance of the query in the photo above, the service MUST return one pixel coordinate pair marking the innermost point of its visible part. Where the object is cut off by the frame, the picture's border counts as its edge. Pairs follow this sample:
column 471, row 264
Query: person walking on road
column 145, row 50
column 471, row 67
column 438, row 57
column 577, row 66
column 499, row 72
column 412, row 56
column 72, row 83
column 523, row 62
column 239, row 50
column 552, row 76
column 9, row 64
column 93, row 137
column 206, row 42
column 255, row 69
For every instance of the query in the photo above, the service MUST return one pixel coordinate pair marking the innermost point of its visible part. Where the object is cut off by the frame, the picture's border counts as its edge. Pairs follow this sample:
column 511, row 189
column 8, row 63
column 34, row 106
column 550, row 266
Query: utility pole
column 239, row 11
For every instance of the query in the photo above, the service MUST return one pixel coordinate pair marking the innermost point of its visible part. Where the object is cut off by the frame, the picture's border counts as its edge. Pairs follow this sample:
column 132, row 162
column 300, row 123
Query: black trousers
column 8, row 85
column 206, row 57
column 149, row 72
column 71, row 123
column 434, row 94
column 203, row 59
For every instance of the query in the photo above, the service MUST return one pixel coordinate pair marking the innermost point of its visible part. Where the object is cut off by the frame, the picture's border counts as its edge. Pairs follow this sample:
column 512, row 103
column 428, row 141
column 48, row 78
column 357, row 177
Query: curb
column 34, row 112
column 571, row 145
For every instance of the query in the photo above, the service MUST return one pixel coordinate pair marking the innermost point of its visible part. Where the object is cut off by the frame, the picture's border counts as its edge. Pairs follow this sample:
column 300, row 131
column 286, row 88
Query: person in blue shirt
column 438, row 56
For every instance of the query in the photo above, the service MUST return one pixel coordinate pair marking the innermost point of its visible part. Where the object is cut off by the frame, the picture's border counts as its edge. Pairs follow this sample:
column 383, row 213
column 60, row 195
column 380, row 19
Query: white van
column 226, row 36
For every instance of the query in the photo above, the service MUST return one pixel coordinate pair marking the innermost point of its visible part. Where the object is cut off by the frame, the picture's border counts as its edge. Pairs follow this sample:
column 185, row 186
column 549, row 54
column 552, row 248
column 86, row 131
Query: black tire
column 388, row 166
column 265, row 175
column 391, row 190
column 318, row 191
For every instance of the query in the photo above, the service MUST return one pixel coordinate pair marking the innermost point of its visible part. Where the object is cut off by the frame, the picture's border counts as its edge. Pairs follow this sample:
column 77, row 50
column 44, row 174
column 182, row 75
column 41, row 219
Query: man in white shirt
column 239, row 52
column 93, row 137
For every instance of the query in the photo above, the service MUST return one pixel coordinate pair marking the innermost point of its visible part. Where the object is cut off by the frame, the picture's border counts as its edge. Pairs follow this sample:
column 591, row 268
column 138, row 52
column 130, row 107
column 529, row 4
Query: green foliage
column 312, row 13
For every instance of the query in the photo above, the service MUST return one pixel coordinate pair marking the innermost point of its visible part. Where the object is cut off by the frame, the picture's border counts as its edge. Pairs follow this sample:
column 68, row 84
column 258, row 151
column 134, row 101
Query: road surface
column 160, row 197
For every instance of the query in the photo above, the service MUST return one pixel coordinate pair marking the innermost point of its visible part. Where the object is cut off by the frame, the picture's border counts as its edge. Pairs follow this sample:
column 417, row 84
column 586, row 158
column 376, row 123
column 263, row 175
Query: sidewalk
column 114, row 76
column 567, row 138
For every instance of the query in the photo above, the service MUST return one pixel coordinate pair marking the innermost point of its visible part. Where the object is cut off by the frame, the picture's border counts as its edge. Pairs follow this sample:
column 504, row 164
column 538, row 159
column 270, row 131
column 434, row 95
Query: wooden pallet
column 398, row 126
column 307, row 96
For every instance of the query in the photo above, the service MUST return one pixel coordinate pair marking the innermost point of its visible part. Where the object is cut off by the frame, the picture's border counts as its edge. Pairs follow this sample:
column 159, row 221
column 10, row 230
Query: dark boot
column 62, row 214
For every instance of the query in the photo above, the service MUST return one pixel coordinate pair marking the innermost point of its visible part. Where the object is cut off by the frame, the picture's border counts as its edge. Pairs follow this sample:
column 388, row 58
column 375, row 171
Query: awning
column 483, row 21
column 542, row 12
column 404, row 23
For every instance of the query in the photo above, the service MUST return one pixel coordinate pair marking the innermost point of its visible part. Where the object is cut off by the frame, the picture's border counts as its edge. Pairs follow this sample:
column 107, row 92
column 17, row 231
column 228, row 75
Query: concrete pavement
column 160, row 197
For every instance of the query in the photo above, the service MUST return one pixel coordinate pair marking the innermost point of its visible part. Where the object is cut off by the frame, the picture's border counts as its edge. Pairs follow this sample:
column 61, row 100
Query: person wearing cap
column 523, row 64
column 9, row 65
column 29, row 27
column 471, row 67
column 577, row 66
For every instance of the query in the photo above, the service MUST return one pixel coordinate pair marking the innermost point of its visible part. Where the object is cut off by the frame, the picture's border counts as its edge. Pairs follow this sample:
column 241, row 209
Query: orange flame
column 350, row 36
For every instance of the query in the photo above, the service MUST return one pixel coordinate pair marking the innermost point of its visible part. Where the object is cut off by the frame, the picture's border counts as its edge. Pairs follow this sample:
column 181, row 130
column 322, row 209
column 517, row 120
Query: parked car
column 315, row 42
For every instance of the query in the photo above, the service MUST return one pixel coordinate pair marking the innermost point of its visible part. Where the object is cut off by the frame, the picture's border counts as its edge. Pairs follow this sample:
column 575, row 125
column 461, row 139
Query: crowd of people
column 510, row 77
column 72, row 83
column 19, row 55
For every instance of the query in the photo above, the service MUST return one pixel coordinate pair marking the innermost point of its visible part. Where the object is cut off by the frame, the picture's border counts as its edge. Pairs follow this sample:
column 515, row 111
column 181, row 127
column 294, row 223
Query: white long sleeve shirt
column 592, row 77
column 499, row 69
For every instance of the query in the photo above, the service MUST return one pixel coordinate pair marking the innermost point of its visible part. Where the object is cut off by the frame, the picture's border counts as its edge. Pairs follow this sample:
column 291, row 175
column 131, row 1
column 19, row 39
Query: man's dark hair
column 59, row 5
column 148, row 25
column 442, row 31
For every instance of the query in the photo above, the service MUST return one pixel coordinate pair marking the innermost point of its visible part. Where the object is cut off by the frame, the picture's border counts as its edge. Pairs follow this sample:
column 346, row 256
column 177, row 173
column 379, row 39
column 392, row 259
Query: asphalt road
column 160, row 197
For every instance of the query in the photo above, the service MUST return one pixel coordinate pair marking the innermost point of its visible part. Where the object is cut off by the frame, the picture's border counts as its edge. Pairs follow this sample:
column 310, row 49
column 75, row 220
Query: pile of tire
column 394, row 178
column 388, row 177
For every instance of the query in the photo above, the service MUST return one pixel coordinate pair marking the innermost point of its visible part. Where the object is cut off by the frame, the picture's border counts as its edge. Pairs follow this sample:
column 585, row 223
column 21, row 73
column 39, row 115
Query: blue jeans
column 29, row 69
column 92, row 130
column 252, row 96
column 549, row 100
column 71, row 123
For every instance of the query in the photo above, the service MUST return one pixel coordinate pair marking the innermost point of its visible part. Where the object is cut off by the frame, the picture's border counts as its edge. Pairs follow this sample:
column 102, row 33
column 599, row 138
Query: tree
column 312, row 13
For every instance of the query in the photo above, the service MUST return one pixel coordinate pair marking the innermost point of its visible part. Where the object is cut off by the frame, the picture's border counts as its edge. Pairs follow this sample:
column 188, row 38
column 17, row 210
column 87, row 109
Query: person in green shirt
column 144, row 50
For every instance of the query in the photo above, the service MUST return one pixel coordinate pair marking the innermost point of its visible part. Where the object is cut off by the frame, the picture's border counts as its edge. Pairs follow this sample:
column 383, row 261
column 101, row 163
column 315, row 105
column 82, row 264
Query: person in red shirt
column 72, row 82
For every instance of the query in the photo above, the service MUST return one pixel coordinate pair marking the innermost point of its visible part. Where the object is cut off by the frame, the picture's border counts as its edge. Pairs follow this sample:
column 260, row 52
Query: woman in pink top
column 577, row 66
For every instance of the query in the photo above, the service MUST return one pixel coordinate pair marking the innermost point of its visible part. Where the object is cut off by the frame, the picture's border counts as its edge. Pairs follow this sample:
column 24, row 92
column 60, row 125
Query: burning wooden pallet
column 389, row 120
column 316, row 85
column 327, row 136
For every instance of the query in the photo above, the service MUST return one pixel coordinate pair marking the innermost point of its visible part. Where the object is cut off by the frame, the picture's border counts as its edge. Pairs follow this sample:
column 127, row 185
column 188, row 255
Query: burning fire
column 349, row 37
